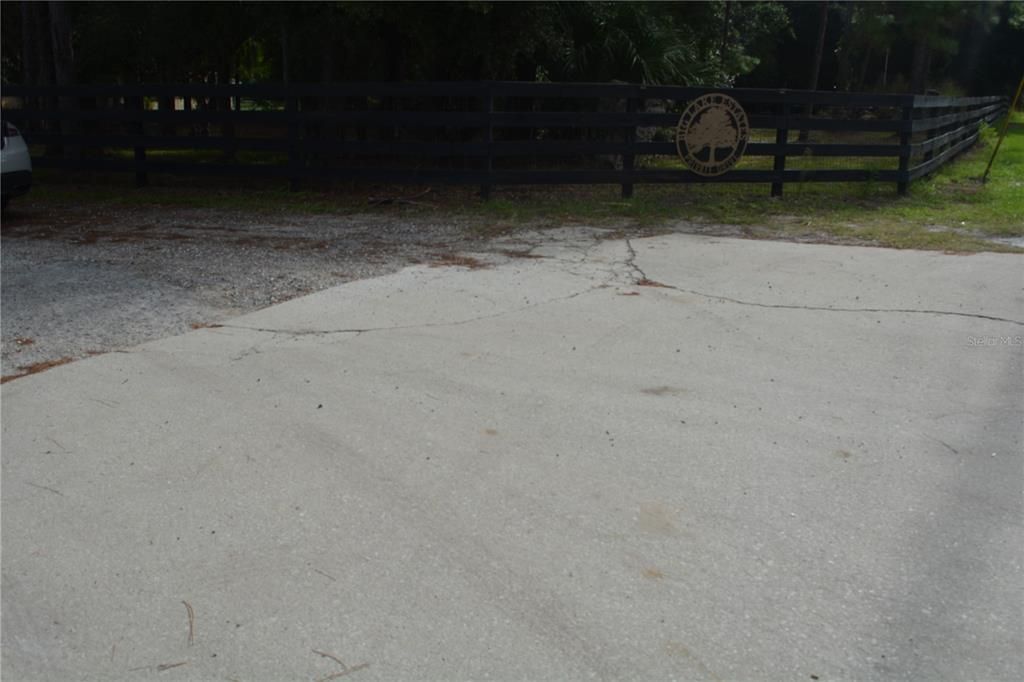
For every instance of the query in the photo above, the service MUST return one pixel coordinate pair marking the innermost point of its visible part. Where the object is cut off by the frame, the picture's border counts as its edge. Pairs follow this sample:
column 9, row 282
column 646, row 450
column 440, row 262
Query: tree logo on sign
column 712, row 134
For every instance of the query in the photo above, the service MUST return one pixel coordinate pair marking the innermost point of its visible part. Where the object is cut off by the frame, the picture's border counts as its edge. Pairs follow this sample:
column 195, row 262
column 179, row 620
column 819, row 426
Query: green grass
column 201, row 156
column 951, row 211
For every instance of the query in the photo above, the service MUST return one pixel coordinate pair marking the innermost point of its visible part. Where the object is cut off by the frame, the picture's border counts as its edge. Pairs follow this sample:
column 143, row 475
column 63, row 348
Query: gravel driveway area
column 77, row 282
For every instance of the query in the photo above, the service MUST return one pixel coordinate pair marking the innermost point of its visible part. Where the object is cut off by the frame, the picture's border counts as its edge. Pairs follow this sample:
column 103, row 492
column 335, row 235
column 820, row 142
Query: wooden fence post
column 52, row 103
column 71, row 128
column 1002, row 132
column 929, row 132
column 485, row 187
column 781, row 139
column 629, row 159
column 138, row 104
column 906, row 135
column 954, row 126
column 87, row 127
column 227, row 130
column 940, row 131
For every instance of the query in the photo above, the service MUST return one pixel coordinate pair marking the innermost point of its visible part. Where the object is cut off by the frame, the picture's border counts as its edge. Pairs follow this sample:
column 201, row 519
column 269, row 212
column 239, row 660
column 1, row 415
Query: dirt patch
column 84, row 235
column 662, row 390
column 36, row 368
column 644, row 282
column 512, row 253
column 455, row 260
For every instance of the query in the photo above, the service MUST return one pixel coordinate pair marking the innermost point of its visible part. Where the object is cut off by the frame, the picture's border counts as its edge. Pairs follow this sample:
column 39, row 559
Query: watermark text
column 990, row 341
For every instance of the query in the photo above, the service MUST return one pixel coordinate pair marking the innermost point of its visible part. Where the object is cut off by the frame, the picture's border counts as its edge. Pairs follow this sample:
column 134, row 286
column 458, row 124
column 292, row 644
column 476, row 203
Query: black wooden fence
column 484, row 133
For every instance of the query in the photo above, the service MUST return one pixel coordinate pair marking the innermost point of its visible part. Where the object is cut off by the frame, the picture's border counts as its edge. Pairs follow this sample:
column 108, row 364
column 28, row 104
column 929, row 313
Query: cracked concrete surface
column 678, row 457
column 641, row 276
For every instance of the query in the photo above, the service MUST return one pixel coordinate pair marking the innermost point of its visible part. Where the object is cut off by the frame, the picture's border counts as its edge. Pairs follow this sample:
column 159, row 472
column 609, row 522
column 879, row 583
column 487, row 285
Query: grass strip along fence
column 484, row 133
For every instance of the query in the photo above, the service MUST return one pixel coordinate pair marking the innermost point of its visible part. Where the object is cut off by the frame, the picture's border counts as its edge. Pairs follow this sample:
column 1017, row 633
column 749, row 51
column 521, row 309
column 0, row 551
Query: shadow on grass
column 951, row 210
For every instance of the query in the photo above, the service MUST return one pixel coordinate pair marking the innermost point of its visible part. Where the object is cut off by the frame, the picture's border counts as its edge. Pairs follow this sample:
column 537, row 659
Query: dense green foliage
column 958, row 47
column 955, row 48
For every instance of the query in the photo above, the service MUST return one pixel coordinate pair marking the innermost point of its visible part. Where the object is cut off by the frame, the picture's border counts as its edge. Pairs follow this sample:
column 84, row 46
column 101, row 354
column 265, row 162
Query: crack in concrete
column 425, row 325
column 631, row 262
column 584, row 255
column 635, row 276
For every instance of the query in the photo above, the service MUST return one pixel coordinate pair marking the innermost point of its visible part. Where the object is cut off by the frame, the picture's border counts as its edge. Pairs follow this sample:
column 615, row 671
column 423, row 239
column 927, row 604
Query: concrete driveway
column 677, row 457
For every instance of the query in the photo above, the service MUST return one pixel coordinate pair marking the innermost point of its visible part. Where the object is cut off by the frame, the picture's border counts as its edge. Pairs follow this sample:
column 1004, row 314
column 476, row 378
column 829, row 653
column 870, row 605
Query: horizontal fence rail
column 484, row 133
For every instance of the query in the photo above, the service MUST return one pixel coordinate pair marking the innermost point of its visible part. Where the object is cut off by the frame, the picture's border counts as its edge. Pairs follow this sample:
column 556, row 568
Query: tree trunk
column 28, row 61
column 819, row 51
column 863, row 75
column 920, row 67
column 725, row 32
column 30, row 58
column 36, row 49
column 63, row 67
column 60, row 37
column 327, row 60
column 970, row 57
column 819, row 46
column 284, row 53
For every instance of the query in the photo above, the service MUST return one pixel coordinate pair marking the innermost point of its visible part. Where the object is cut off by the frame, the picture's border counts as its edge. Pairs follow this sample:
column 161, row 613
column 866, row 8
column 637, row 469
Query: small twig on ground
column 330, row 656
column 344, row 672
column 191, row 623
column 330, row 577
column 45, row 487
column 159, row 668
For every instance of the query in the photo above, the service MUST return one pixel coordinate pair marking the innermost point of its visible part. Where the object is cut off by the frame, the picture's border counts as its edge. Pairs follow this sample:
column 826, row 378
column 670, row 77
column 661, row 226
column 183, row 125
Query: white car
column 15, row 164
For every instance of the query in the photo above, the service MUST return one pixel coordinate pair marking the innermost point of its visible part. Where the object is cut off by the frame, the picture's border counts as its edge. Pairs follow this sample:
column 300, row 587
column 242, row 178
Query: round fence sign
column 712, row 134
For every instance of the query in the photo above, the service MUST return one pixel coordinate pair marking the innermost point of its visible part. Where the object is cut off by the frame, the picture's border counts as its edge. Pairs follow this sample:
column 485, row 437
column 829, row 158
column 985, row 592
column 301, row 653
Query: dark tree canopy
column 934, row 45
column 910, row 46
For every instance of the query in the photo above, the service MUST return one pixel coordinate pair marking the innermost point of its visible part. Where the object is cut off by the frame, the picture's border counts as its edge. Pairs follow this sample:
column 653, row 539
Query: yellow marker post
column 1002, row 133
